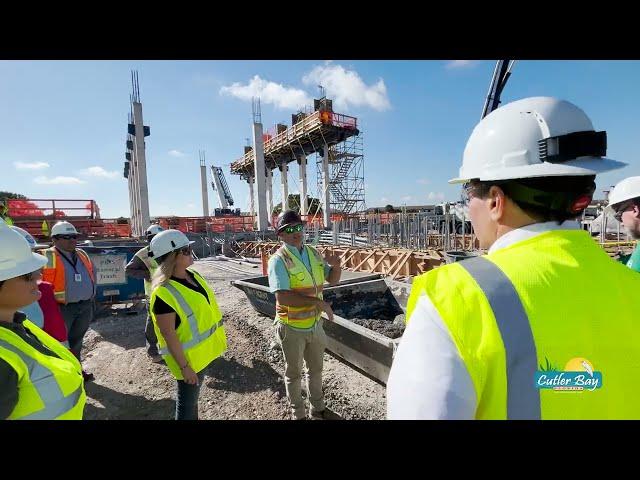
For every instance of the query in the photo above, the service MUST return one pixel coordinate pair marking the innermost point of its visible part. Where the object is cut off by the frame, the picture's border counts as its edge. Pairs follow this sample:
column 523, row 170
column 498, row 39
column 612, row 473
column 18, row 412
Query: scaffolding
column 346, row 179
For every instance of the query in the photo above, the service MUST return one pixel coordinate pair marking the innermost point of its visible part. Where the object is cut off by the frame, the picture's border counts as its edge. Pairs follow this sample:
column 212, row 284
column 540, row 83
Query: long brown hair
column 164, row 271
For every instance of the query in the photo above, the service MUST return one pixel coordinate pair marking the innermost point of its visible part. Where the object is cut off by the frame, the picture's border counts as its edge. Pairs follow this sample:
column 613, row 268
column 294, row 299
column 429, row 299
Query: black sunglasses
column 67, row 237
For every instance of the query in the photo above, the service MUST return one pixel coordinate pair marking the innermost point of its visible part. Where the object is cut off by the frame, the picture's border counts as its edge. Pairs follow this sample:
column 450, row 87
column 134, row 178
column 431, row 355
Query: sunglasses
column 294, row 228
column 185, row 250
column 620, row 210
column 67, row 237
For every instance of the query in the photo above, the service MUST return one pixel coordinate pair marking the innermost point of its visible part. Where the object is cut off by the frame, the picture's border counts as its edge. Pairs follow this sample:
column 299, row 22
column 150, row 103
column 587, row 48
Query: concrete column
column 252, row 209
column 326, row 193
column 135, row 218
column 269, row 180
column 284, row 171
column 142, row 165
column 259, row 173
column 302, row 161
column 205, row 193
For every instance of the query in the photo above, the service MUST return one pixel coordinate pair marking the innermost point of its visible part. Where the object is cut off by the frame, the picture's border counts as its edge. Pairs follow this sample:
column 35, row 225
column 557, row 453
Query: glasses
column 185, row 250
column 294, row 228
column 67, row 237
column 620, row 210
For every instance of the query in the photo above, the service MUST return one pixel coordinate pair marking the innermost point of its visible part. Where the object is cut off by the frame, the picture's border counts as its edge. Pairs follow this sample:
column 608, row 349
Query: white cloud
column 461, row 64
column 347, row 88
column 422, row 181
column 98, row 172
column 31, row 166
column 384, row 199
column 406, row 198
column 436, row 196
column 269, row 93
column 59, row 180
column 176, row 153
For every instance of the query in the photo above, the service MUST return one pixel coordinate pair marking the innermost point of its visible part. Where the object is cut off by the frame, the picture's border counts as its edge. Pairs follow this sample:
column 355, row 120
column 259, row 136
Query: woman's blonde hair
column 164, row 271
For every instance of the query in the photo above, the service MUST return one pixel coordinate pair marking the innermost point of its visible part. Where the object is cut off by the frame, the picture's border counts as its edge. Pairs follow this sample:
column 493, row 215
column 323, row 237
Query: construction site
column 320, row 161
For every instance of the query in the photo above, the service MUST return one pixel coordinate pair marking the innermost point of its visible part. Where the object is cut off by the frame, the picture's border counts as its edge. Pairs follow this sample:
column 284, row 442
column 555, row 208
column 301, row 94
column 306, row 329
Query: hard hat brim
column 577, row 167
column 32, row 264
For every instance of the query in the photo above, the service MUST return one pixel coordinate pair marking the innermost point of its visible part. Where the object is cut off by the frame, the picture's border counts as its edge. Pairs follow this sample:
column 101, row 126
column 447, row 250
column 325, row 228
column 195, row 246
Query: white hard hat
column 167, row 241
column 16, row 257
column 27, row 236
column 625, row 190
column 63, row 228
column 154, row 229
column 535, row 137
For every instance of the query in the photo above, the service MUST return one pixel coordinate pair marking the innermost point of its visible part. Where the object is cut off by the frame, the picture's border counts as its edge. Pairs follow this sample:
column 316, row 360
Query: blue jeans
column 187, row 400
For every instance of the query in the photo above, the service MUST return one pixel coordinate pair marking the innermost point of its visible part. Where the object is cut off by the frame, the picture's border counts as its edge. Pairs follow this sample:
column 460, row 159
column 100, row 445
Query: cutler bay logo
column 578, row 375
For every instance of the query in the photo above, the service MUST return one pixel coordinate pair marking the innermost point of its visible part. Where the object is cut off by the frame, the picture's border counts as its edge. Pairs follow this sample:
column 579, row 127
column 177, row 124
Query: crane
column 501, row 74
column 219, row 185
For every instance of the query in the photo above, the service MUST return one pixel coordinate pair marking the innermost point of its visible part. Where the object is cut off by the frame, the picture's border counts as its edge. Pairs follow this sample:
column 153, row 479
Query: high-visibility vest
column 539, row 306
column 53, row 271
column 45, row 228
column 200, row 332
column 303, row 282
column 49, row 388
column 152, row 266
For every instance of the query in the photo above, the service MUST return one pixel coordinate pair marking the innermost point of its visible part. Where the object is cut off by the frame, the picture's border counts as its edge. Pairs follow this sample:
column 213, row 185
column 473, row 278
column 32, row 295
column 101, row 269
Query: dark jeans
column 150, row 336
column 77, row 317
column 187, row 401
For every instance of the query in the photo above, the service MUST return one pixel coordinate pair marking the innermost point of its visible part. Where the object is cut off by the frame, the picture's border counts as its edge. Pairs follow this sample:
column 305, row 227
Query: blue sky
column 63, row 123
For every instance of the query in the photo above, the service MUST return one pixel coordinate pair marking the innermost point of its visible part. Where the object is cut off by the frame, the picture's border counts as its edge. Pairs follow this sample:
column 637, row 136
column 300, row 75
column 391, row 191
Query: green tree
column 313, row 205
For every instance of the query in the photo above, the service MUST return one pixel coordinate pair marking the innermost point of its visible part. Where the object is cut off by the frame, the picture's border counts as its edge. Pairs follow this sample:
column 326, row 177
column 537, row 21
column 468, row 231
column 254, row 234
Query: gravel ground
column 246, row 383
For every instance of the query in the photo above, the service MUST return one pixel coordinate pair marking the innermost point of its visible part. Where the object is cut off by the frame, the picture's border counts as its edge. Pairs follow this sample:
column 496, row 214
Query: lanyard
column 69, row 261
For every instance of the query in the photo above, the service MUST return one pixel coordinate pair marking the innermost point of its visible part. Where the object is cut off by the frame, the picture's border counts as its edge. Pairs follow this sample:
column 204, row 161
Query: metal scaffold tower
column 346, row 181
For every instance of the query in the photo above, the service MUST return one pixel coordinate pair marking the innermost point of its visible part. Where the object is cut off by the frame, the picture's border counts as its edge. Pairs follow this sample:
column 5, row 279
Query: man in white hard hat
column 143, row 266
column 39, row 378
column 496, row 336
column 624, row 200
column 71, row 272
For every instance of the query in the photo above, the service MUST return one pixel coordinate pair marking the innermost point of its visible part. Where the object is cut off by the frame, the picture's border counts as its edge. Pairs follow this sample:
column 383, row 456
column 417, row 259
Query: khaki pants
column 297, row 346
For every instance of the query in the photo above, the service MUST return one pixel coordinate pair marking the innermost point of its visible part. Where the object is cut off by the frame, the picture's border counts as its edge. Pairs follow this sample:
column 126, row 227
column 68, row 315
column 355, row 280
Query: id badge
column 78, row 277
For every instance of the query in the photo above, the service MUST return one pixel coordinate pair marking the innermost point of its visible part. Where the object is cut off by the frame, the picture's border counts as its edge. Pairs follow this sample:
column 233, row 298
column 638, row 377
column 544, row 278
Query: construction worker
column 186, row 318
column 45, row 229
column 297, row 273
column 496, row 336
column 624, row 200
column 39, row 378
column 70, row 271
column 142, row 266
column 4, row 214
column 45, row 313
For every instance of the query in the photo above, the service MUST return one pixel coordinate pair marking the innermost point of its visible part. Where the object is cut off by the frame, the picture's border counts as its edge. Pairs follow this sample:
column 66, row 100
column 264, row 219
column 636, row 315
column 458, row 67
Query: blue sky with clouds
column 63, row 123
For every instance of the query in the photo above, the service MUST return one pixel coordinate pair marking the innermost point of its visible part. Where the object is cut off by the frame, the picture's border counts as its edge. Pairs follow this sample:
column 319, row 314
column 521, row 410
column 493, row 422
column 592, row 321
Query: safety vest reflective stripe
column 298, row 315
column 45, row 383
column 196, row 336
column 523, row 398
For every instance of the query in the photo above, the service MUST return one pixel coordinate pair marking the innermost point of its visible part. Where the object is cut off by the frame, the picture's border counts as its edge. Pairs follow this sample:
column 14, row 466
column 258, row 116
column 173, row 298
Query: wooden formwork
column 397, row 263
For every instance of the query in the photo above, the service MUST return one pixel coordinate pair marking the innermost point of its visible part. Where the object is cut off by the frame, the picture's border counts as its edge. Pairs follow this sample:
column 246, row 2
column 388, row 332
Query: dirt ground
column 246, row 383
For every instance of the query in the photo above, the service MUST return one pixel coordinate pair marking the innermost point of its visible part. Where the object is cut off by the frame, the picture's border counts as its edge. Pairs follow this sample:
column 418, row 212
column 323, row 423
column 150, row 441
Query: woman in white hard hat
column 39, row 378
column 624, row 200
column 494, row 336
column 186, row 318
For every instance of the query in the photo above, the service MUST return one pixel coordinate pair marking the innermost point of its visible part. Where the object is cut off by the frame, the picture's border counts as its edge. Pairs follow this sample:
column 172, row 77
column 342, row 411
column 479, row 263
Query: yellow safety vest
column 152, row 266
column 49, row 388
column 200, row 331
column 542, row 304
column 303, row 282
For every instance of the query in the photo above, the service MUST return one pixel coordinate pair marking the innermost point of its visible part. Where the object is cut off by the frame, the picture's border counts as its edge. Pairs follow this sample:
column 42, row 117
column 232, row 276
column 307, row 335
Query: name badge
column 78, row 277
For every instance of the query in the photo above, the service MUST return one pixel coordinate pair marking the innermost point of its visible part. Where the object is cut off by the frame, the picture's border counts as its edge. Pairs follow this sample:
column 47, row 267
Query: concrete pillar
column 252, row 208
column 139, row 147
column 284, row 171
column 326, row 193
column 269, row 180
column 302, row 162
column 205, row 193
column 259, row 172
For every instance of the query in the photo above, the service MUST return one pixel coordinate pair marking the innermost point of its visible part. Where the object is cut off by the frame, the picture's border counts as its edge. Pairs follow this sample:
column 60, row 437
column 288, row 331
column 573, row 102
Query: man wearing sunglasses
column 624, row 200
column 297, row 273
column 71, row 272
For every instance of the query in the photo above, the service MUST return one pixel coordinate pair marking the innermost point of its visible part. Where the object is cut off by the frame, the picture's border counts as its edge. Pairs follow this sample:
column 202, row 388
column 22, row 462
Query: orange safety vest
column 53, row 272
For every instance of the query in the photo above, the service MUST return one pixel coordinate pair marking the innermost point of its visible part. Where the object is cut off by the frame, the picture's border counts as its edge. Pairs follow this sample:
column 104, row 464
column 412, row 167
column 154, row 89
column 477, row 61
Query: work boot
column 88, row 377
column 157, row 358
